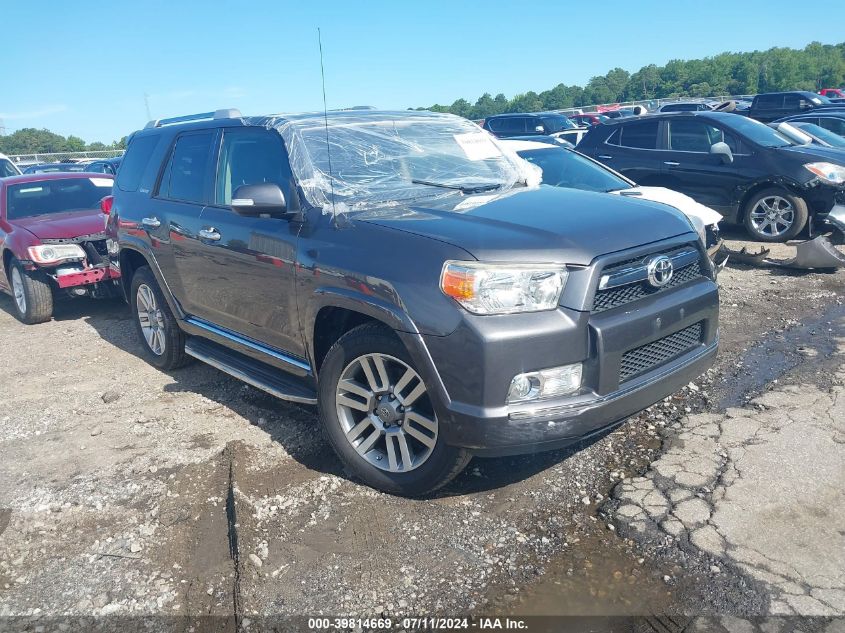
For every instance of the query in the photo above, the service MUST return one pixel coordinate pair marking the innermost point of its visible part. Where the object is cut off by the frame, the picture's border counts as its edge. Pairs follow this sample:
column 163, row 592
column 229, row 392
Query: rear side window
column 185, row 175
column 640, row 135
column 135, row 162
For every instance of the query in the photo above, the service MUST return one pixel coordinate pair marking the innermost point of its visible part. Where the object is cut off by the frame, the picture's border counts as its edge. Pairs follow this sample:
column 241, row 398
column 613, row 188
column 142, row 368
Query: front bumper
column 476, row 364
column 73, row 277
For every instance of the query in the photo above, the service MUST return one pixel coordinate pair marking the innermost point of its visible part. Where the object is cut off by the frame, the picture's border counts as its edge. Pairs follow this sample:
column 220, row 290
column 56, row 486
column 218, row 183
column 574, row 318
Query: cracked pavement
column 760, row 489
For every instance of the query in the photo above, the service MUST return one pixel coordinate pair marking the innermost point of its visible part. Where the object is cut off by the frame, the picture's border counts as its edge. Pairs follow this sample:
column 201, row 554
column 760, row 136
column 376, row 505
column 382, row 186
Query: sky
column 84, row 68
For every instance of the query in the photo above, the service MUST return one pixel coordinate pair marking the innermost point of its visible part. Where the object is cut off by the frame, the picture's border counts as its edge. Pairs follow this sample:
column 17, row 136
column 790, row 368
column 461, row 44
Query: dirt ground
column 127, row 491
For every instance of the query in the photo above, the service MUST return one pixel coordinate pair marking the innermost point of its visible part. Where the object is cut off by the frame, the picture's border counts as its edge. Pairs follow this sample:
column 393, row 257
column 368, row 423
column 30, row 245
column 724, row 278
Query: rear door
column 693, row 170
column 172, row 224
column 247, row 276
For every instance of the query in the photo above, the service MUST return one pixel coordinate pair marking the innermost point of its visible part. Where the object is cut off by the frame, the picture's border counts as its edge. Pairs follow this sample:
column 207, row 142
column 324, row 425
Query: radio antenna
column 326, row 121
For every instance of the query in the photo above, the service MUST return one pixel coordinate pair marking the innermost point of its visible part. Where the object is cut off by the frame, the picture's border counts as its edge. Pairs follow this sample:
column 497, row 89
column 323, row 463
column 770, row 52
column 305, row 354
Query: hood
column 543, row 224
column 680, row 201
column 816, row 153
column 53, row 226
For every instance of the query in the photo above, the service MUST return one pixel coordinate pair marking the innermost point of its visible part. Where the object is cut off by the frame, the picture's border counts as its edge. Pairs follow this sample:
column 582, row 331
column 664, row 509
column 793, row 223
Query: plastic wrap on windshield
column 352, row 160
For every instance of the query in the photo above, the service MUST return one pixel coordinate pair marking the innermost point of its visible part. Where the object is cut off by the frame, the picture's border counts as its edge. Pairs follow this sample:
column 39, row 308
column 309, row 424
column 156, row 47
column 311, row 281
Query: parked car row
column 490, row 313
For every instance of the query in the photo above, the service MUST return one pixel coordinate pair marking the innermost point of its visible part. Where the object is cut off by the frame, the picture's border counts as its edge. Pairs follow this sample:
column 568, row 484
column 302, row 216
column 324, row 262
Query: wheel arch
column 752, row 191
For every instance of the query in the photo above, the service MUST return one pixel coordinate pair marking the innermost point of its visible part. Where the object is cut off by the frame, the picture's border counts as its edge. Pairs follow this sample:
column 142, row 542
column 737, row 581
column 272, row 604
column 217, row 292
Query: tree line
column 814, row 67
column 33, row 141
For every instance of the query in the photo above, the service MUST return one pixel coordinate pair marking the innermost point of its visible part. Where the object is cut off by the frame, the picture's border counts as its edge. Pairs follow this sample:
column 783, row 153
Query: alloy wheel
column 18, row 290
column 772, row 216
column 385, row 413
column 151, row 319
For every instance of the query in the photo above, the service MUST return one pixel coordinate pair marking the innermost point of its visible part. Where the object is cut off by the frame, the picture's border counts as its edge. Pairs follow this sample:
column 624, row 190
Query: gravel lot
column 125, row 490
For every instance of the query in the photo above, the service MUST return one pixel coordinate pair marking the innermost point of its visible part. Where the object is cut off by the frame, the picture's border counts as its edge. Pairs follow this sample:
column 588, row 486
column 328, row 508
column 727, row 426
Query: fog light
column 547, row 383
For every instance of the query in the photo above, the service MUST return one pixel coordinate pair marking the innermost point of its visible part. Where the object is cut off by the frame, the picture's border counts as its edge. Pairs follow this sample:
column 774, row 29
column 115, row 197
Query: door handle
column 210, row 234
column 151, row 223
column 605, row 156
column 671, row 163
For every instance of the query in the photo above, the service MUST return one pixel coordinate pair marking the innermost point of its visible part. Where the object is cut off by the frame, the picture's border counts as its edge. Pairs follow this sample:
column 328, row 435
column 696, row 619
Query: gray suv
column 410, row 278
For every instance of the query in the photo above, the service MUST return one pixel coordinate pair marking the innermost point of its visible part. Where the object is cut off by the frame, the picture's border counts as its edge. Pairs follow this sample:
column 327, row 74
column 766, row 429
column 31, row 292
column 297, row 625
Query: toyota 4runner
column 408, row 276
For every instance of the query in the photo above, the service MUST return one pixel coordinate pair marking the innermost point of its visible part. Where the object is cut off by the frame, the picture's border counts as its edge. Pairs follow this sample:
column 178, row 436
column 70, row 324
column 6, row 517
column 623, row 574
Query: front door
column 248, row 265
column 693, row 170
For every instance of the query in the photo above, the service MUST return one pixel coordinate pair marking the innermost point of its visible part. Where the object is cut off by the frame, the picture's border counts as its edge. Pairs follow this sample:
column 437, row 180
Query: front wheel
column 378, row 416
column 775, row 215
column 31, row 293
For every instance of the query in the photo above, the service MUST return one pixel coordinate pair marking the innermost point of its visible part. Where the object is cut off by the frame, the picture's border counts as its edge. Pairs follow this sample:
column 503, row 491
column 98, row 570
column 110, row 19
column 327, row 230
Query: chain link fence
column 64, row 157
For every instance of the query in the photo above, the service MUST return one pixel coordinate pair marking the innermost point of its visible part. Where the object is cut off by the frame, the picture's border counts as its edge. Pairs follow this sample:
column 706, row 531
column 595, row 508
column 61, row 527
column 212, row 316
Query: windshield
column 557, row 123
column 384, row 158
column 55, row 196
column 831, row 138
column 564, row 168
column 757, row 132
column 7, row 168
column 820, row 99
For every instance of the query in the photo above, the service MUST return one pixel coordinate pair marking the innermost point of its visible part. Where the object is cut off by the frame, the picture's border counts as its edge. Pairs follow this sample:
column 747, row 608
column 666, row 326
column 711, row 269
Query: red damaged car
column 52, row 240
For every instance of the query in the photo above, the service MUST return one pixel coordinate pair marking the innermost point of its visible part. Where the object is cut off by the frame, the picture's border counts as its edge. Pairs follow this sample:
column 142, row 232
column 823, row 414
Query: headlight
column 503, row 288
column 828, row 172
column 698, row 225
column 54, row 253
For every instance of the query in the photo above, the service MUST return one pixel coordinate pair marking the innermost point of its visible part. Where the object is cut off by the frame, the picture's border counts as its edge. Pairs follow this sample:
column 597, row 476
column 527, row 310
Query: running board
column 260, row 375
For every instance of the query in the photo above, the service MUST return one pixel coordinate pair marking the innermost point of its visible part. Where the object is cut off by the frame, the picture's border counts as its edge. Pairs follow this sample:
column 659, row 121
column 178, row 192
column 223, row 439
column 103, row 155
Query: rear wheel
column 162, row 340
column 379, row 418
column 31, row 294
column 775, row 215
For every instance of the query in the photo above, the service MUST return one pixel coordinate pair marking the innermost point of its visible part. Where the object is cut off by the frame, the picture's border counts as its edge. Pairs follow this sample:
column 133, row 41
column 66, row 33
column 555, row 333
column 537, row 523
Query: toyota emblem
column 660, row 271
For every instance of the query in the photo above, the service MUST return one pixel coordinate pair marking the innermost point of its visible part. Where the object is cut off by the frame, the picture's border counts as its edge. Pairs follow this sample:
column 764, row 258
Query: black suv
column 775, row 105
column 534, row 123
column 742, row 168
column 411, row 279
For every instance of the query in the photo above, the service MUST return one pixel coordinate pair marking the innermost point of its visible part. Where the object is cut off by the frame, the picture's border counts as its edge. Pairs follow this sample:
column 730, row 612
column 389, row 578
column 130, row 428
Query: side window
column 135, row 162
column 696, row 136
column 250, row 156
column 613, row 139
column 688, row 135
column 494, row 125
column 837, row 126
column 513, row 125
column 184, row 176
column 769, row 102
column 640, row 135
column 7, row 169
column 531, row 125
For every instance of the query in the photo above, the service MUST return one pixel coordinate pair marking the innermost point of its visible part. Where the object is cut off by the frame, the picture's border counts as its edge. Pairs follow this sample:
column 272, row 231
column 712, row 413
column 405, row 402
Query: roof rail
column 227, row 113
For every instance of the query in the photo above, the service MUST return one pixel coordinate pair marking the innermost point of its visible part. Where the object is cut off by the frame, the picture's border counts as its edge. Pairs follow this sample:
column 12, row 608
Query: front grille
column 647, row 357
column 615, row 297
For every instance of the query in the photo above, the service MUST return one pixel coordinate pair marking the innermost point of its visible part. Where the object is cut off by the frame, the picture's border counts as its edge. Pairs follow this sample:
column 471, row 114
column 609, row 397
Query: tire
column 32, row 295
column 775, row 215
column 408, row 467
column 162, row 340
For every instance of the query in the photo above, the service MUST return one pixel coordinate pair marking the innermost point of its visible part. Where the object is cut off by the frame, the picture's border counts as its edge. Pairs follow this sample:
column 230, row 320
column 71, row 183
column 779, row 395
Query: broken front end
column 84, row 268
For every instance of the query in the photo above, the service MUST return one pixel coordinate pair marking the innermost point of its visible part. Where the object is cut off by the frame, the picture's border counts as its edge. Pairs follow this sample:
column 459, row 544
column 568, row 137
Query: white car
column 7, row 167
column 564, row 167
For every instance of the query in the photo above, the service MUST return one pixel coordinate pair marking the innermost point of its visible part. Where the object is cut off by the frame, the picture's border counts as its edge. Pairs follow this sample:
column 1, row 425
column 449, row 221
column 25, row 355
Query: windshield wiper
column 461, row 188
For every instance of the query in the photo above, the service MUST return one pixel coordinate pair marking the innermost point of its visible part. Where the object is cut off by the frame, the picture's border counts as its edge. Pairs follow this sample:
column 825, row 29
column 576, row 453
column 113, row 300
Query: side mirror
column 723, row 151
column 262, row 199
